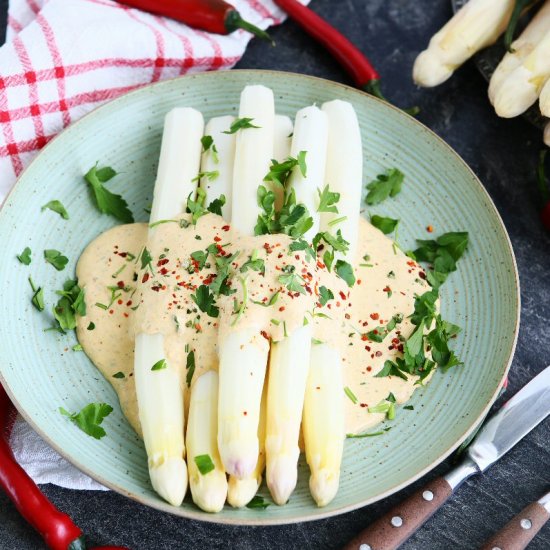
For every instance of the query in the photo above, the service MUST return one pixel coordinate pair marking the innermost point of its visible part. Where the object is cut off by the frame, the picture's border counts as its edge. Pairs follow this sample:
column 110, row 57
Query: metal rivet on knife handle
column 391, row 530
column 519, row 532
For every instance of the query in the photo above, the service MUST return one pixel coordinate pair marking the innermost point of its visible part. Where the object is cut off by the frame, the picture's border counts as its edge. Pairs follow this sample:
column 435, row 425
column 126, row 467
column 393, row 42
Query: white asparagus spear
column 281, row 150
column 522, row 47
column 289, row 359
column 242, row 491
column 522, row 86
column 474, row 26
column 219, row 159
column 159, row 392
column 323, row 419
column 544, row 100
column 208, row 489
column 244, row 353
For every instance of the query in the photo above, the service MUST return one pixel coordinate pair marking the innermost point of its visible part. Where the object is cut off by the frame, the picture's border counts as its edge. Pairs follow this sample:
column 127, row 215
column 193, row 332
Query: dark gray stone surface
column 503, row 154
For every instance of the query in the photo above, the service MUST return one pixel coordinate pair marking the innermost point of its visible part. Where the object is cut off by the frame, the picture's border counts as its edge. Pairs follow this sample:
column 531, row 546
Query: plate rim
column 197, row 514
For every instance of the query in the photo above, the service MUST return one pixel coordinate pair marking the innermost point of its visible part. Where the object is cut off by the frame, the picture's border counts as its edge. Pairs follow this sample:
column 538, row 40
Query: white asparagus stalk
column 544, row 100
column 281, row 151
column 289, row 359
column 244, row 353
column 159, row 393
column 323, row 422
column 253, row 153
column 242, row 491
column 474, row 26
column 323, row 418
column 522, row 86
column 547, row 134
column 209, row 490
column 521, row 48
column 219, row 160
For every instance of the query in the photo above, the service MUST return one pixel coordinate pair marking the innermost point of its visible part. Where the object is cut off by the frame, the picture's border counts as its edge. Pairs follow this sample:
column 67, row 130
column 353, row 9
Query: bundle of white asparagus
column 523, row 75
column 279, row 397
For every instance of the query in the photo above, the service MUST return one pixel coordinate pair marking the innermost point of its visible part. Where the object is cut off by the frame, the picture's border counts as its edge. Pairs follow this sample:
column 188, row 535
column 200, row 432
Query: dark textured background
column 504, row 155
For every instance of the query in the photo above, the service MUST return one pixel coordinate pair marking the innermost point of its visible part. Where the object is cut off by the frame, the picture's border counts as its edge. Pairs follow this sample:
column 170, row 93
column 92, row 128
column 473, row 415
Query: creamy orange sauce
column 158, row 298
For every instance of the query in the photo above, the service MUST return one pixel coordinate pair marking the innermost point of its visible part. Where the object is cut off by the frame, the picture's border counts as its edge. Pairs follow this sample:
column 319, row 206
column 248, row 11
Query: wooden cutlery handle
column 519, row 532
column 394, row 528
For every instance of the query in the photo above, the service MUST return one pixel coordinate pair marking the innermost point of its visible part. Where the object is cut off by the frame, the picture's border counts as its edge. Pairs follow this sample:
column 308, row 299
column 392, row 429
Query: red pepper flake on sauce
column 430, row 229
column 225, row 228
column 145, row 278
column 120, row 284
column 374, row 316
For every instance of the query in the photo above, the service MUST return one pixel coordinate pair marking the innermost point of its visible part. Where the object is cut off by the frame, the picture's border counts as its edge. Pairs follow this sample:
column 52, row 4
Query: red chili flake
column 155, row 288
column 369, row 369
column 217, row 239
column 225, row 228
column 387, row 289
column 116, row 245
column 296, row 256
column 411, row 263
column 163, row 271
column 338, row 304
column 296, row 295
column 308, row 288
column 395, row 341
column 422, row 275
column 282, row 308
column 364, row 337
column 123, row 254
column 365, row 323
column 198, row 328
column 111, row 311
column 120, row 284
column 129, row 303
column 125, row 314
column 358, row 281
column 245, row 413
column 264, row 334
column 378, row 354
column 364, row 405
column 119, row 302
column 367, row 348
column 164, row 261
column 347, row 316
column 209, row 279
column 401, row 348
column 374, row 316
column 430, row 229
column 268, row 248
column 145, row 278
column 342, row 295
column 320, row 265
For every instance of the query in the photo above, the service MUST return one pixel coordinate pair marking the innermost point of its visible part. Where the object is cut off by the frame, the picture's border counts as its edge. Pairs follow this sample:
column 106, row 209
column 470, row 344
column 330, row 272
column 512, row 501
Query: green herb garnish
column 55, row 258
column 205, row 301
column 106, row 201
column 351, row 395
column 204, row 464
column 37, row 297
column 240, row 124
column 258, row 502
column 57, row 207
column 190, row 367
column 90, row 418
column 161, row 364
column 328, row 200
column 119, row 374
column 325, row 294
column 385, row 185
column 25, row 256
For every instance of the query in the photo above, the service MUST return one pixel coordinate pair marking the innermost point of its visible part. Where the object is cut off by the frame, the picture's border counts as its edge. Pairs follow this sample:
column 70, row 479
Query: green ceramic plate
column 41, row 372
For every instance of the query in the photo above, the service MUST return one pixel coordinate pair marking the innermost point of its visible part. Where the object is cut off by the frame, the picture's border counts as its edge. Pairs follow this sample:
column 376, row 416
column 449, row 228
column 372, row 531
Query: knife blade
column 516, row 418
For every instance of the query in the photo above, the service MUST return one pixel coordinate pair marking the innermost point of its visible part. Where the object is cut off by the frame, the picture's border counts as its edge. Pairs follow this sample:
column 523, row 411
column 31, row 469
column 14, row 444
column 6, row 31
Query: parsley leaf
column 325, row 294
column 196, row 207
column 90, row 418
column 301, row 244
column 119, row 375
column 210, row 176
column 161, row 364
column 385, row 185
column 56, row 206
column 205, row 301
column 240, row 124
column 216, row 205
column 190, row 367
column 291, row 280
column 71, row 303
column 55, row 258
column 204, row 464
column 258, row 502
column 37, row 299
column 25, row 256
column 386, row 225
column 327, row 200
column 254, row 263
column 345, row 271
column 209, row 145
column 352, row 397
column 106, row 201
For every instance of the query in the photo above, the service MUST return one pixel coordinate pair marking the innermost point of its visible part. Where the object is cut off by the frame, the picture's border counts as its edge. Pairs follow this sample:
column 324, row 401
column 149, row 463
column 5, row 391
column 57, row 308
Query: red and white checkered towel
column 61, row 59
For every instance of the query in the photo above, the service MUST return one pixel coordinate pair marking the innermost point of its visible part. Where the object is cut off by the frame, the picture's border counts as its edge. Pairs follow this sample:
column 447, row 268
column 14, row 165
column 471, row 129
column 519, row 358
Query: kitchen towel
column 61, row 59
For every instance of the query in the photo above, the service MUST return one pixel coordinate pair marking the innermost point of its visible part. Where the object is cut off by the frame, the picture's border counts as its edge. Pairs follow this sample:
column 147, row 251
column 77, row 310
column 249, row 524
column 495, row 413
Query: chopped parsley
column 254, row 263
column 161, row 364
column 291, row 280
column 71, row 303
column 386, row 225
column 351, row 395
column 345, row 271
column 210, row 176
column 119, row 375
column 106, row 201
column 216, row 205
column 91, row 326
column 204, row 464
column 209, row 145
column 205, row 301
column 77, row 347
column 385, row 185
column 328, row 200
column 56, row 206
column 190, row 367
column 25, row 256
column 55, row 258
column 37, row 299
column 325, row 295
column 196, row 207
column 240, row 124
column 90, row 418
column 258, row 502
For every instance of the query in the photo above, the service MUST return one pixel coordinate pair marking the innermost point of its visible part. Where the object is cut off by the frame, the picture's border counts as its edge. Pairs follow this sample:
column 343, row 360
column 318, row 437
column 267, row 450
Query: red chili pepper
column 215, row 16
column 55, row 527
column 352, row 60
column 544, row 191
